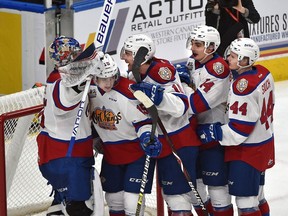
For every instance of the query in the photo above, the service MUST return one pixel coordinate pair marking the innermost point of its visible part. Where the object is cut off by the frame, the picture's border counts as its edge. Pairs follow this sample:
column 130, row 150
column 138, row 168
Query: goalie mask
column 134, row 42
column 76, row 72
column 64, row 50
column 207, row 34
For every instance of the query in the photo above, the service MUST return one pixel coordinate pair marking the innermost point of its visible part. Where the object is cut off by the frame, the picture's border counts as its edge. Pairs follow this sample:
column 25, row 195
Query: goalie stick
column 138, row 59
column 102, row 31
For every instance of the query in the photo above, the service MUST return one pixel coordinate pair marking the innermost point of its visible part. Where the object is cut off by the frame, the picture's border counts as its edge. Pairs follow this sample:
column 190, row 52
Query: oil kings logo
column 106, row 118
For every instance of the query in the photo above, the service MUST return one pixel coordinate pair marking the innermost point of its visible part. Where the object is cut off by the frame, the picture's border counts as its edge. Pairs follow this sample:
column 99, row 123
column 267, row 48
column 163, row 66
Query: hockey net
column 27, row 192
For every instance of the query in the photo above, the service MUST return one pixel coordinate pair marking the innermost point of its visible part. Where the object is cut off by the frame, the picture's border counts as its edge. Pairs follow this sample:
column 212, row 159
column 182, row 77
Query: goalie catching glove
column 76, row 72
column 210, row 132
column 154, row 92
column 153, row 147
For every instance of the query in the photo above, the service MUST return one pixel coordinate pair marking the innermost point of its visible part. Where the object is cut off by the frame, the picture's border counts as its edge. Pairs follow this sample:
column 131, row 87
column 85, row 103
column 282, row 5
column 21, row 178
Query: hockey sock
column 181, row 213
column 117, row 213
column 264, row 207
column 199, row 211
column 249, row 212
column 209, row 207
column 169, row 212
column 223, row 211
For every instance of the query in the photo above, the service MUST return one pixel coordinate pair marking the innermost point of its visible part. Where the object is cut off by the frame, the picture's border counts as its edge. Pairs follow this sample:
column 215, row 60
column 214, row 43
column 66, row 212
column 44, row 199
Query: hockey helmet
column 134, row 42
column 245, row 47
column 208, row 34
column 64, row 50
column 106, row 67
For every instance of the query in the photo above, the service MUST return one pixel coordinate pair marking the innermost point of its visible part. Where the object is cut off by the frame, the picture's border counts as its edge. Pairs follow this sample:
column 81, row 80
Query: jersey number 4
column 266, row 111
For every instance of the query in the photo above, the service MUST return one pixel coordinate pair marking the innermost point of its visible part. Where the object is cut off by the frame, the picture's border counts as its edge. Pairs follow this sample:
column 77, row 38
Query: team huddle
column 214, row 139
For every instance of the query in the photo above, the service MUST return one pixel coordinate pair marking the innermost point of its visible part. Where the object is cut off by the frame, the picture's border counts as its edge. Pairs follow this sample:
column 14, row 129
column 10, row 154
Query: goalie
column 69, row 169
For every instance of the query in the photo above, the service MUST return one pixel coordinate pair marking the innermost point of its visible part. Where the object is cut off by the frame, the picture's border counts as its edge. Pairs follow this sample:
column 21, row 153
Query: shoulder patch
column 165, row 73
column 218, row 67
column 242, row 84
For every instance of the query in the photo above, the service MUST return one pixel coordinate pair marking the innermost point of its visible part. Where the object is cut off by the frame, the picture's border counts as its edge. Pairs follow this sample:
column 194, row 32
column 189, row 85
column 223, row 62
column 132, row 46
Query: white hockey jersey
column 173, row 110
column 58, row 121
column 212, row 81
column 119, row 119
column 249, row 133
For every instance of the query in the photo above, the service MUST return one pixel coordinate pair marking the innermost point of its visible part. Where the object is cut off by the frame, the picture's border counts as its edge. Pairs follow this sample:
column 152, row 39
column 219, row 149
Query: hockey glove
column 151, row 148
column 154, row 92
column 210, row 132
column 184, row 73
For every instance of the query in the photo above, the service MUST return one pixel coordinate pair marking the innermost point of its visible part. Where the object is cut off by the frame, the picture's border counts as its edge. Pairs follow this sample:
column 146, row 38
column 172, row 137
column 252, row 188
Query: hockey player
column 210, row 76
column 162, row 84
column 125, row 130
column 62, row 51
column 248, row 135
column 69, row 173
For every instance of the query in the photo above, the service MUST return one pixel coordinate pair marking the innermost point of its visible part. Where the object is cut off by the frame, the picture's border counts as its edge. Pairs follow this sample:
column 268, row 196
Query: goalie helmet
column 208, row 34
column 106, row 67
column 245, row 47
column 64, row 50
column 77, row 71
column 134, row 42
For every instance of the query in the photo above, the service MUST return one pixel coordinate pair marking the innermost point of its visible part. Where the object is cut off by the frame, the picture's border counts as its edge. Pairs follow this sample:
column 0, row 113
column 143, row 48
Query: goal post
column 24, row 191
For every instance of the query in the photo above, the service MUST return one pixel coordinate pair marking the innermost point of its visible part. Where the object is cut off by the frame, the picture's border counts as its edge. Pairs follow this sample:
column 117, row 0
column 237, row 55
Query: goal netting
column 27, row 192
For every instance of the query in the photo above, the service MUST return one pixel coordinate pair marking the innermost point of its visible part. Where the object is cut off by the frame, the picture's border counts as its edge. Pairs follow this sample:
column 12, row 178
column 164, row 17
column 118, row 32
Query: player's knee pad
column 115, row 201
column 261, row 193
column 78, row 208
column 130, row 203
column 179, row 202
column 247, row 202
column 202, row 190
column 219, row 196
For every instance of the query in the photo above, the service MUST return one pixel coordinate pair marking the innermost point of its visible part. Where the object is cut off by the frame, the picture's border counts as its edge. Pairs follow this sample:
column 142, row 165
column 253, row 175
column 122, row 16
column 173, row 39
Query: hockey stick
column 102, row 31
column 103, row 26
column 138, row 59
column 152, row 110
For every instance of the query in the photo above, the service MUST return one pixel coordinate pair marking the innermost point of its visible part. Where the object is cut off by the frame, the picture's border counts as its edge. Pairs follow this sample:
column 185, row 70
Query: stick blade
column 138, row 59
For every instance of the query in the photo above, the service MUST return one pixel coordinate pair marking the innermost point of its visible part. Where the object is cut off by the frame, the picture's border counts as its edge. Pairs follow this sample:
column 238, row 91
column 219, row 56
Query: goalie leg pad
column 78, row 208
column 55, row 210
